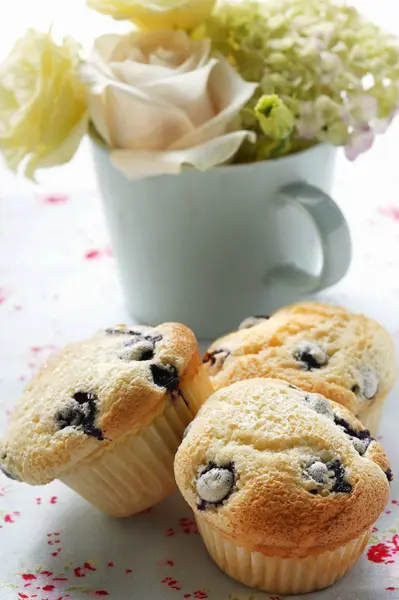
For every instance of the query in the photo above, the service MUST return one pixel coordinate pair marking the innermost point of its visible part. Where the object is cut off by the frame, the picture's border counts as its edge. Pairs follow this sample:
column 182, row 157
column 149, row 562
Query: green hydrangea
column 334, row 71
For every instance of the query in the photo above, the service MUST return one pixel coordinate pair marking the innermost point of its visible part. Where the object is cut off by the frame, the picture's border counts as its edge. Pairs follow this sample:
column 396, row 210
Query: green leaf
column 74, row 588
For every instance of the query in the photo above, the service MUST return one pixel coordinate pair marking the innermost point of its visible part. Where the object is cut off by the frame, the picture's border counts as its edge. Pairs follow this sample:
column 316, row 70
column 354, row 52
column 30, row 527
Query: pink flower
column 360, row 142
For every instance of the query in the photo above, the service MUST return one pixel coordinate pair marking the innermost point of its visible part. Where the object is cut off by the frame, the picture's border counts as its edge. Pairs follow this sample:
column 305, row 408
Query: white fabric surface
column 58, row 283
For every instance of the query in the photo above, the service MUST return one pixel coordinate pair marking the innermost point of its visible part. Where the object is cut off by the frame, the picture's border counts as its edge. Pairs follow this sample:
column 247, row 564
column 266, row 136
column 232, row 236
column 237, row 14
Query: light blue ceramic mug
column 208, row 249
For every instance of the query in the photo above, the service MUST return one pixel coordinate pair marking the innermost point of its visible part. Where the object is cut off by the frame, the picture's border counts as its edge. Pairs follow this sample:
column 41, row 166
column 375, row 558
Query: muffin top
column 320, row 348
column 92, row 392
column 280, row 470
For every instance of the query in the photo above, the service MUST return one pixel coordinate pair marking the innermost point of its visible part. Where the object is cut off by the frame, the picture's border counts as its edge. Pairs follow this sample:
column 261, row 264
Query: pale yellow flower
column 157, row 14
column 43, row 112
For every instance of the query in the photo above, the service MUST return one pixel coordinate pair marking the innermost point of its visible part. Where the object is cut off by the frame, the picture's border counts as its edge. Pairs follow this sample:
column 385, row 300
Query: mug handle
column 334, row 235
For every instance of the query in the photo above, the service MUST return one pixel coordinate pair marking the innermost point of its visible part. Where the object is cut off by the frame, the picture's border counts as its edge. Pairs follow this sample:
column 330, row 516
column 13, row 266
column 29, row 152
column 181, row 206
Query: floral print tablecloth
column 58, row 283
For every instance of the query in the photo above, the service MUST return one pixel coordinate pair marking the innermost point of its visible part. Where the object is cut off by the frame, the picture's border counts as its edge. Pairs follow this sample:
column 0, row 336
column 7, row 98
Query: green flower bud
column 275, row 118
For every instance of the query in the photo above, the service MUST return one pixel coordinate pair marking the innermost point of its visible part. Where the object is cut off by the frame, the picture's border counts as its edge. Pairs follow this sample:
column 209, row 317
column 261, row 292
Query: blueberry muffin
column 325, row 349
column 106, row 416
column 285, row 485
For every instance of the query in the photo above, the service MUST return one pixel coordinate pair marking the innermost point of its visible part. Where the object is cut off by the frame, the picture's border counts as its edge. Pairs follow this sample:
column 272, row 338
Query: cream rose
column 157, row 14
column 160, row 102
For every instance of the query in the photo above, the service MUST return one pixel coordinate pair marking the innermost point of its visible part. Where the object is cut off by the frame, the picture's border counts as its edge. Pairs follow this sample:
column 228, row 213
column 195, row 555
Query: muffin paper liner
column 280, row 575
column 136, row 471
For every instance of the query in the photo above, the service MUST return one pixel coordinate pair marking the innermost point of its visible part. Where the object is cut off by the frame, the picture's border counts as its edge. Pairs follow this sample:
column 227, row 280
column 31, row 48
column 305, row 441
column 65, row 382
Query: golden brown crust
column 269, row 434
column 358, row 349
column 39, row 443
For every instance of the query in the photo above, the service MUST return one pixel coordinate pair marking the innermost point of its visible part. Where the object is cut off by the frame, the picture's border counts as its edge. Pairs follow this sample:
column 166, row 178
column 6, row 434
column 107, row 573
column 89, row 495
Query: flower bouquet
column 201, row 83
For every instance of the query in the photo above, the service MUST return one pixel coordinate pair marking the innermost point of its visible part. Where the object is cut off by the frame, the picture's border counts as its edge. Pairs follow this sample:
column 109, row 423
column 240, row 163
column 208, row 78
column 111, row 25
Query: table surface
column 58, row 283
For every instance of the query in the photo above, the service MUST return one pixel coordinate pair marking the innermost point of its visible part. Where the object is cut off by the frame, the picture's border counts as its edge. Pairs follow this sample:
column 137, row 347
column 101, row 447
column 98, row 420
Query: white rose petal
column 137, row 164
column 138, row 121
column 137, row 63
column 160, row 102
column 229, row 93
column 188, row 91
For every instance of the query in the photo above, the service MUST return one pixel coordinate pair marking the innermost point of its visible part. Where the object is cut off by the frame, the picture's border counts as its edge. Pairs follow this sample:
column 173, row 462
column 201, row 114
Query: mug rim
column 100, row 145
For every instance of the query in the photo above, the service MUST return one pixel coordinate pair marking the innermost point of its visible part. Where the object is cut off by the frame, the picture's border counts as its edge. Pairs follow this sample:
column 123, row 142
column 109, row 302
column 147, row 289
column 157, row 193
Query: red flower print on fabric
column 384, row 552
column 93, row 254
column 9, row 518
column 54, row 540
column 392, row 212
column 188, row 526
column 167, row 563
column 200, row 595
column 56, row 199
column 45, row 581
column 3, row 295
column 172, row 583
column 378, row 553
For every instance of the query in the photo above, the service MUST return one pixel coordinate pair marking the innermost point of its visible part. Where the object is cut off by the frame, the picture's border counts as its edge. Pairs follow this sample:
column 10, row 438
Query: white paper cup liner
column 136, row 471
column 280, row 575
